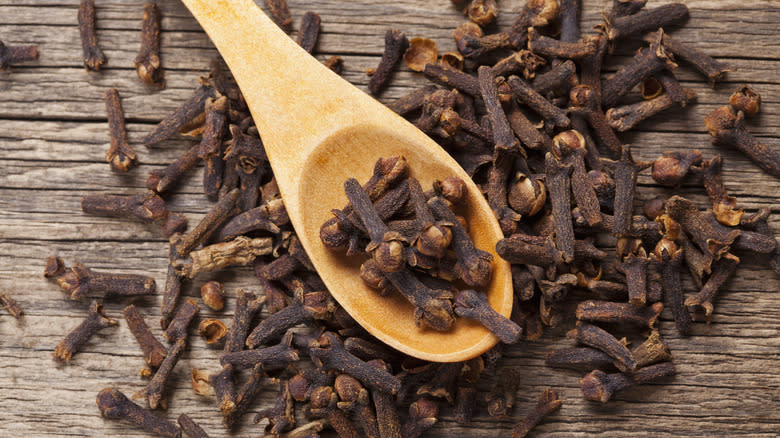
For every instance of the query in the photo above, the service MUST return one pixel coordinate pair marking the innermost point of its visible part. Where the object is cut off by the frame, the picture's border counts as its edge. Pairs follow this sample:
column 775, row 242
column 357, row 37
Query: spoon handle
column 294, row 99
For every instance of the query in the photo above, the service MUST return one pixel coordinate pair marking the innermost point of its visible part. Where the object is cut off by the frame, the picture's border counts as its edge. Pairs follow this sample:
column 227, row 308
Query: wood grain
column 53, row 137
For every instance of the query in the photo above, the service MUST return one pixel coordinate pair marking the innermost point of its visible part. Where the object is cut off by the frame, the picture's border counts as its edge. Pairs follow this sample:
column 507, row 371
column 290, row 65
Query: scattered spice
column 147, row 63
column 95, row 321
column 310, row 31
column 395, row 46
column 12, row 55
column 115, row 405
column 11, row 306
column 421, row 51
column 93, row 56
column 120, row 155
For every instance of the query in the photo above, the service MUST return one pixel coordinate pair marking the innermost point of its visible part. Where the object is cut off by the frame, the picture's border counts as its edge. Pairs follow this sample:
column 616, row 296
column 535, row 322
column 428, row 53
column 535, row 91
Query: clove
column 115, row 405
column 95, row 321
column 93, row 56
column 147, row 63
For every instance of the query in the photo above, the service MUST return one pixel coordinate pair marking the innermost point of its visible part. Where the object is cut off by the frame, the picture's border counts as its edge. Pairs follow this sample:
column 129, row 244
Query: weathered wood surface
column 53, row 139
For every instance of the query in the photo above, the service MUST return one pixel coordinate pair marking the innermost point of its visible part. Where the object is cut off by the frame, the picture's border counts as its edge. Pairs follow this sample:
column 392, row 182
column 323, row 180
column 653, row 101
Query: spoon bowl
column 318, row 130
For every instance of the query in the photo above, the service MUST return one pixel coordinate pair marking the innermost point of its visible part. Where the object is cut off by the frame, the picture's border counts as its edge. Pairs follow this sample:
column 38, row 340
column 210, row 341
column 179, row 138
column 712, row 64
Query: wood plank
column 53, row 137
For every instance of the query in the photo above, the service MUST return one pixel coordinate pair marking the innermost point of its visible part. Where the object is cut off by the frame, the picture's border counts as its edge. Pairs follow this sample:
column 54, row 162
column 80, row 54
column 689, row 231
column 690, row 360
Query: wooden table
column 53, row 137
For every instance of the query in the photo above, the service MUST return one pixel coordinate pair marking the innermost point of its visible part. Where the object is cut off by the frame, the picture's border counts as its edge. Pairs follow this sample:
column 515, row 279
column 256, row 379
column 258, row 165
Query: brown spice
column 115, row 405
column 11, row 306
column 93, row 56
column 548, row 403
column 395, row 45
column 120, row 155
column 147, row 63
column 310, row 31
column 421, row 51
column 280, row 13
column 12, row 55
column 146, row 207
column 154, row 352
column 95, row 321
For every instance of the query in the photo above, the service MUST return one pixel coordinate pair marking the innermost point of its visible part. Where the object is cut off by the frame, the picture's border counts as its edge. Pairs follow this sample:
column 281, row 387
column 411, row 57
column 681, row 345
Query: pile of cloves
column 528, row 116
column 417, row 246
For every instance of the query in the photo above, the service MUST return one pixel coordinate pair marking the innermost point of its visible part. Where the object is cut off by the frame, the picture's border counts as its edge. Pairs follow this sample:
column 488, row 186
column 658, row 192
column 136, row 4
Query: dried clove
column 473, row 264
column 313, row 305
column 527, row 95
column 548, row 403
column 705, row 64
column 422, row 416
column 181, row 321
column 355, row 399
column 619, row 313
column 12, row 55
column 11, row 306
column 395, row 45
column 161, row 180
column 147, row 63
column 552, row 48
column 710, row 236
column 191, row 428
column 728, row 128
column 647, row 62
column 310, row 31
column 465, row 404
column 80, row 281
column 154, row 390
column 671, row 167
column 623, row 118
column 474, row 305
column 584, row 102
column 275, row 357
column 501, row 398
column 324, row 403
column 558, row 179
column 671, row 257
column 115, row 405
column 579, row 357
column 600, row 386
column 247, row 394
column 120, row 155
column 281, row 416
column 451, row 78
column 93, row 56
column 644, row 21
column 247, row 306
column 95, row 321
column 333, row 356
column 535, row 13
column 598, row 338
column 558, row 78
column 224, row 389
column 184, row 114
column 146, row 207
column 269, row 217
column 722, row 270
column 503, row 137
column 154, row 352
column 280, row 13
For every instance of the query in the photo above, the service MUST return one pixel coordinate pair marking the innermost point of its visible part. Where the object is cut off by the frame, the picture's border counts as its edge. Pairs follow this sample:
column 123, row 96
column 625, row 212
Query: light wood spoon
column 319, row 130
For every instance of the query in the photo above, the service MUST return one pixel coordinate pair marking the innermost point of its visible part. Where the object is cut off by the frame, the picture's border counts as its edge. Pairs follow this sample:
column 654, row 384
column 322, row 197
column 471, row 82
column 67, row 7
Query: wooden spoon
column 319, row 130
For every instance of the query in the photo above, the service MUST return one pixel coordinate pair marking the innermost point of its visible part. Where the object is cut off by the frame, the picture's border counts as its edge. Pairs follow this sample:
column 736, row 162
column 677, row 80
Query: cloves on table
column 190, row 109
column 190, row 427
column 11, row 306
column 120, row 155
column 395, row 45
column 93, row 56
column 115, row 405
column 153, row 392
column 617, row 313
column 354, row 398
column 647, row 20
column 474, row 305
column 600, row 386
column 714, row 70
column 80, row 281
column 95, row 321
column 147, row 63
column 177, row 329
column 728, row 128
column 280, row 13
column 154, row 352
column 12, row 55
column 309, row 31
column 626, row 117
column 548, row 403
column 671, row 257
column 333, row 356
column 247, row 306
column 598, row 338
column 146, row 207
